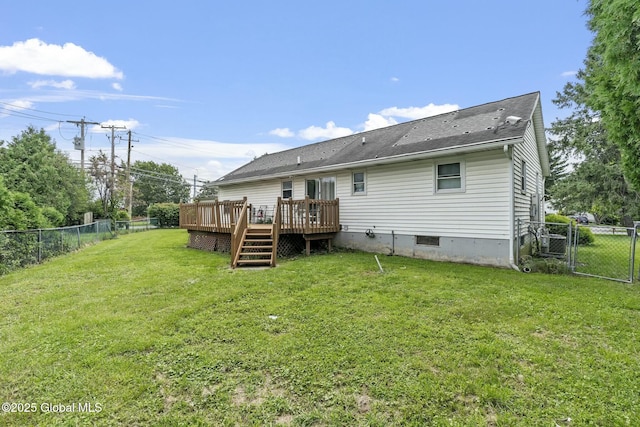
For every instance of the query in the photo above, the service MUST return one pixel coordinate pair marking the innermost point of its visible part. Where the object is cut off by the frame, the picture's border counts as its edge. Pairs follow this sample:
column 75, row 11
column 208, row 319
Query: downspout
column 508, row 152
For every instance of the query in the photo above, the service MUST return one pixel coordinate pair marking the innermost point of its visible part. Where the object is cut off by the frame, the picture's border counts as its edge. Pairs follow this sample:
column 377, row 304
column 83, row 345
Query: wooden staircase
column 256, row 247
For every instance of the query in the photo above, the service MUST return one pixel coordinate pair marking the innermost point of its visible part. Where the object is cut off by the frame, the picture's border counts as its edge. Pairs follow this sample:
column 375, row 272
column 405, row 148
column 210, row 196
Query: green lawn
column 608, row 256
column 151, row 333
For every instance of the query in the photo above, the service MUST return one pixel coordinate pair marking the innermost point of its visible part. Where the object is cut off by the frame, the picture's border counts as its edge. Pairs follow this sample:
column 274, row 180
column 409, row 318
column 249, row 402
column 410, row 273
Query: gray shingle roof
column 469, row 126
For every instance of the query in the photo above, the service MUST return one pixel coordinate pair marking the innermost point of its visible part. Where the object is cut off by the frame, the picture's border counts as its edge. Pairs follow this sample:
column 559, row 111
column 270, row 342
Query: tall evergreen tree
column 595, row 182
column 612, row 77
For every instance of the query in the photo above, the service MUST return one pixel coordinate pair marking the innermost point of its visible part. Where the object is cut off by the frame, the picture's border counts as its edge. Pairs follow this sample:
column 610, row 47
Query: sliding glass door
column 322, row 188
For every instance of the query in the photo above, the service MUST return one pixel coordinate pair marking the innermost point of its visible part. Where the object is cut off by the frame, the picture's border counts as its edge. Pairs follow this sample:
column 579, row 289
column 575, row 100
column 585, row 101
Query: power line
column 163, row 160
column 159, row 177
column 14, row 113
column 19, row 107
column 172, row 143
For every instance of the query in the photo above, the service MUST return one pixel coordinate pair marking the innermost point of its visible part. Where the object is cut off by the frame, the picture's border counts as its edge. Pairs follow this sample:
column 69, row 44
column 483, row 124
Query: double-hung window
column 359, row 186
column 287, row 189
column 450, row 177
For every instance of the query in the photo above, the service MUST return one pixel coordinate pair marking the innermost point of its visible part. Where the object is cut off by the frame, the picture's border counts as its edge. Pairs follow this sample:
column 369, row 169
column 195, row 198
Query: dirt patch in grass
column 364, row 403
column 268, row 389
column 284, row 419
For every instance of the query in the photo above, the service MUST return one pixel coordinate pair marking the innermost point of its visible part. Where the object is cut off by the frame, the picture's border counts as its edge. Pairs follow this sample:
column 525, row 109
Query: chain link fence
column 599, row 251
column 136, row 225
column 19, row 248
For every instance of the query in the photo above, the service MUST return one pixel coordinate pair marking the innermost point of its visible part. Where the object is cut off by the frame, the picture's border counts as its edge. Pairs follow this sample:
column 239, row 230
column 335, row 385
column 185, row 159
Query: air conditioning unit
column 557, row 244
column 554, row 245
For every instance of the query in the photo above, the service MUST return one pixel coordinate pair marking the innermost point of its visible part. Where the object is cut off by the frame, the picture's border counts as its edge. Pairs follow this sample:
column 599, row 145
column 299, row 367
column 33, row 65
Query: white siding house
column 448, row 187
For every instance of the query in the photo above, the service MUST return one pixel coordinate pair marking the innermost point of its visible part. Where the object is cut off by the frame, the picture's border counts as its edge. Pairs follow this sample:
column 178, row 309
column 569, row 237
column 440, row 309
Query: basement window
column 428, row 240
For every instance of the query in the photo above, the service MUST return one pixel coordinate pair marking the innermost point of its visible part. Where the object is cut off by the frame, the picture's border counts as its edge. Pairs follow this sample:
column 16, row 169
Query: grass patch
column 608, row 256
column 158, row 334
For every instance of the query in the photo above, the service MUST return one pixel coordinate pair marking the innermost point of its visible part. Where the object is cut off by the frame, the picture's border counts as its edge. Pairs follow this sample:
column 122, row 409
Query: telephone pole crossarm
column 82, row 124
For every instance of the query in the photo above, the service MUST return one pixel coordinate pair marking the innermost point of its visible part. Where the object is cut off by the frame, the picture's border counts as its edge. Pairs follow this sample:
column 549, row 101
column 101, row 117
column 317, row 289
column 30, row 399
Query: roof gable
column 470, row 127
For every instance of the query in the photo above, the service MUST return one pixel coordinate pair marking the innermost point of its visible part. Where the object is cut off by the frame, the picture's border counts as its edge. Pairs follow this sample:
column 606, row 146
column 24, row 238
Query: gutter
column 441, row 152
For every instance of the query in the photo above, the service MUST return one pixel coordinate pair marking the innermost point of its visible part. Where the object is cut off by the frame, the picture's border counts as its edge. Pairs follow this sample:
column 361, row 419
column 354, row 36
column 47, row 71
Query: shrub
column 168, row 214
column 55, row 218
column 122, row 216
column 559, row 224
column 530, row 264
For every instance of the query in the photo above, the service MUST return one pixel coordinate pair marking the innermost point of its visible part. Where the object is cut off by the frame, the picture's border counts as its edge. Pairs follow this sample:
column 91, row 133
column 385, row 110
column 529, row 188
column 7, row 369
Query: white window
column 359, row 183
column 450, row 177
column 287, row 189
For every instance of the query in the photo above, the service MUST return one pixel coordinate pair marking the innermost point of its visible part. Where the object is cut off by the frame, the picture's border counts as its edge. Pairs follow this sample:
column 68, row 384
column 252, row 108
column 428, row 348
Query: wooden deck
column 312, row 218
column 306, row 216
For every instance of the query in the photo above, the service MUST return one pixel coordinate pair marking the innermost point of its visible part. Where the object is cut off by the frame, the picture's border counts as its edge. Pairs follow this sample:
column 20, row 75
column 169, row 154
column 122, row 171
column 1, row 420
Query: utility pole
column 129, row 183
column 79, row 144
column 194, row 186
column 112, row 181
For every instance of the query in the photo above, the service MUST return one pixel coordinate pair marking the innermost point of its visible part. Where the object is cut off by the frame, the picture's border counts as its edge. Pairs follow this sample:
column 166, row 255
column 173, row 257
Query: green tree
column 596, row 182
column 207, row 192
column 612, row 77
column 156, row 183
column 31, row 164
column 558, row 166
column 6, row 205
column 100, row 172
column 18, row 211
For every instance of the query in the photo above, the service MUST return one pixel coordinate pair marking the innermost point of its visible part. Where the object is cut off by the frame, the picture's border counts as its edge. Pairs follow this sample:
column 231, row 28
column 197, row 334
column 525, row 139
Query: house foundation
column 493, row 252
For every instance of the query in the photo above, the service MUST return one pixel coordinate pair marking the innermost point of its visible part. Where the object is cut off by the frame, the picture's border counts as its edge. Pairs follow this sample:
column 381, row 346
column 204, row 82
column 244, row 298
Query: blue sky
column 208, row 85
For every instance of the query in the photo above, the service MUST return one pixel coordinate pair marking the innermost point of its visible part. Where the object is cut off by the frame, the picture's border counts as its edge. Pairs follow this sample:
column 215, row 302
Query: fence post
column 576, row 240
column 39, row 245
column 569, row 247
column 633, row 252
column 78, row 230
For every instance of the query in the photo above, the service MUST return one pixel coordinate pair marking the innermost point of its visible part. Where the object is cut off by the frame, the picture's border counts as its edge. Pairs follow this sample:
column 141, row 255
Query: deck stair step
column 256, row 248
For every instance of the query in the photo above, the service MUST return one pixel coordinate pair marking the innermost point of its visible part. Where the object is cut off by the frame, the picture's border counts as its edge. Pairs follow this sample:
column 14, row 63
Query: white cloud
column 377, row 121
column 117, row 86
column 414, row 113
column 65, row 84
column 387, row 117
column 395, row 79
column 282, row 132
column 208, row 159
column 78, row 95
column 330, row 131
column 69, row 60
column 569, row 73
column 184, row 148
column 122, row 124
column 18, row 104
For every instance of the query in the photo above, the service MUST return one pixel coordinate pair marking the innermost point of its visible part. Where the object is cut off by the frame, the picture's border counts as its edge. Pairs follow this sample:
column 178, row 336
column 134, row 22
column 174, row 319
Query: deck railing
column 238, row 230
column 275, row 231
column 309, row 216
column 213, row 216
column 306, row 216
